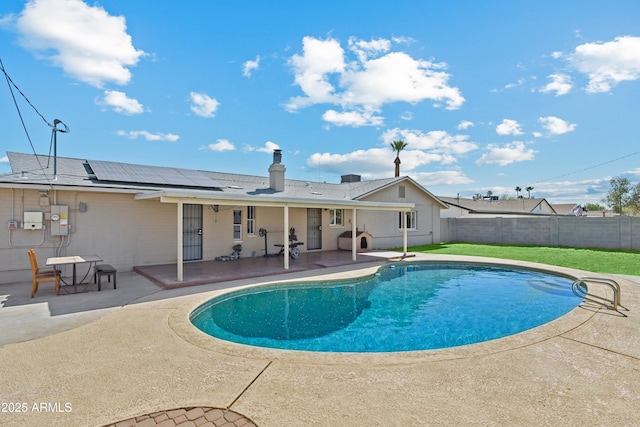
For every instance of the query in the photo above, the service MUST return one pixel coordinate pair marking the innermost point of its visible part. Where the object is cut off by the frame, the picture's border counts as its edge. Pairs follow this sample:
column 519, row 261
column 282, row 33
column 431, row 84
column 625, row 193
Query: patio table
column 74, row 260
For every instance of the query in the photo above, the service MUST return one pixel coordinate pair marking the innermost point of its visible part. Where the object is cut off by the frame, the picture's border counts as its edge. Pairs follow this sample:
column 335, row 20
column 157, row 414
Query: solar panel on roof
column 125, row 172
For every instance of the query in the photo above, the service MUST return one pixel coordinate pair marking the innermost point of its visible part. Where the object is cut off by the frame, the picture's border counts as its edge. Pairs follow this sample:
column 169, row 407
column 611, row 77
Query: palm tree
column 518, row 190
column 398, row 146
column 529, row 188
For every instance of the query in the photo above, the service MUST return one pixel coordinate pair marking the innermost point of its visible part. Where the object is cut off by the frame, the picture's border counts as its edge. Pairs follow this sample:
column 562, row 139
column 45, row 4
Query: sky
column 488, row 95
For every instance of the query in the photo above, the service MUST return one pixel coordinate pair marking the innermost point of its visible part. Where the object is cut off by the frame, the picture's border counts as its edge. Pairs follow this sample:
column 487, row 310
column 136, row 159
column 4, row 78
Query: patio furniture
column 74, row 259
column 104, row 270
column 47, row 275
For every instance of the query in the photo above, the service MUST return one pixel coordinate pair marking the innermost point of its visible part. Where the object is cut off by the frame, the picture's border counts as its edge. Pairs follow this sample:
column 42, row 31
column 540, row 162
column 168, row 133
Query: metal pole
column 55, row 153
column 55, row 145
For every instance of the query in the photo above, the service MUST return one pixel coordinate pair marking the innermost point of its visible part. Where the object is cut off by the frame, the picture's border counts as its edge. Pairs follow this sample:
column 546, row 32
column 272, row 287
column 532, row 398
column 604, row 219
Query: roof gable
column 368, row 188
column 521, row 205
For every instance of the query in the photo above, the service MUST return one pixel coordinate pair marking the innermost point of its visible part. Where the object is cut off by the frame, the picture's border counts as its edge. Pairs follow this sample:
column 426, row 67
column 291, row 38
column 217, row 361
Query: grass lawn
column 596, row 260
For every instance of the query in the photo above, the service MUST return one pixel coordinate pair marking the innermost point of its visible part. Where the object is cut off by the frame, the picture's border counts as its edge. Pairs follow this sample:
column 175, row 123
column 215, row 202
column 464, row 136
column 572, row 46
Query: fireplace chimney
column 276, row 172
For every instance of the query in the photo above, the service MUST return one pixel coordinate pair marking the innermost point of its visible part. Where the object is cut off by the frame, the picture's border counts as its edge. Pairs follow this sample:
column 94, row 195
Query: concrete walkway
column 101, row 358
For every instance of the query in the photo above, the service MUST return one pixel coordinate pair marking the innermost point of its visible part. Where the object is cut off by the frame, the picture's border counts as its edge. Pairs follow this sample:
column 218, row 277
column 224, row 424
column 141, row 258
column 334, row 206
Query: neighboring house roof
column 564, row 208
column 512, row 206
column 173, row 183
column 572, row 209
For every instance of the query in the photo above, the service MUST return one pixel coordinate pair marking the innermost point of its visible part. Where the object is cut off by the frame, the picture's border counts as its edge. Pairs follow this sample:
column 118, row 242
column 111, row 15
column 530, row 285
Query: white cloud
column 465, row 124
column 518, row 83
column 85, row 41
column 506, row 154
column 120, row 103
column 635, row 173
column 267, row 148
column 560, row 84
column 366, row 162
column 249, row 66
column 364, row 49
column 450, row 177
column 319, row 59
column 134, row 134
column 407, row 115
column 220, row 146
column 422, row 149
column 436, row 141
column 352, row 118
column 4, row 159
column 374, row 162
column 607, row 64
column 556, row 126
column 377, row 76
column 397, row 77
column 203, row 104
column 509, row 127
column 592, row 190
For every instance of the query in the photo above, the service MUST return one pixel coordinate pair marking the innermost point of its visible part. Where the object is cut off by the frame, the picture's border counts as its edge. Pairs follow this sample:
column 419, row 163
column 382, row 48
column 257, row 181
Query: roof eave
column 168, row 196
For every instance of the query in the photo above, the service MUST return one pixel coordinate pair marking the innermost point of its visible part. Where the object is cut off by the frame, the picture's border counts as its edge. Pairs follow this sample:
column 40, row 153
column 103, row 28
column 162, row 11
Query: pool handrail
column 611, row 304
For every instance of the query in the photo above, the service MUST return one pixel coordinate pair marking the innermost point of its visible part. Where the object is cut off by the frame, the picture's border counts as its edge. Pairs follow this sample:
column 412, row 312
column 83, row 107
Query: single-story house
column 492, row 207
column 135, row 215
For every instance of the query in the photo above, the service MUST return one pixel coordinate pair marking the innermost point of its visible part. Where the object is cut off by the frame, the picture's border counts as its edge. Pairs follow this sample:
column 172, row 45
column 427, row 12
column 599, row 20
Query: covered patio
column 206, row 272
column 215, row 199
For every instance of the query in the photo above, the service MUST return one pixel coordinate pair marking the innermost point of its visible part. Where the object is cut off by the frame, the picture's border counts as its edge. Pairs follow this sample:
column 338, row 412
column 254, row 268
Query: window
column 251, row 220
column 401, row 191
column 411, row 218
column 335, row 217
column 237, row 224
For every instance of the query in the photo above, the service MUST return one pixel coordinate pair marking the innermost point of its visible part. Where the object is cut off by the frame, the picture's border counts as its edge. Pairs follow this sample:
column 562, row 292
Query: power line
column 10, row 83
column 589, row 168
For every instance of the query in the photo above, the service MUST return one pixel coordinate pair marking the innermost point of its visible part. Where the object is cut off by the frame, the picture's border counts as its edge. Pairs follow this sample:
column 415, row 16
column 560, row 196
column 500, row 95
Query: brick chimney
column 276, row 172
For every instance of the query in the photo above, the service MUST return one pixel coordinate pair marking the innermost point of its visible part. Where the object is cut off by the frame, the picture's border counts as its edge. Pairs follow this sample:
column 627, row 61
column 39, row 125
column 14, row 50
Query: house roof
column 513, row 206
column 173, row 184
column 564, row 208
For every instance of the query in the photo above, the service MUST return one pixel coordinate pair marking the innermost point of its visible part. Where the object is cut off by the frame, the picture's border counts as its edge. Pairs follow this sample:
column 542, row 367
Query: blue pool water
column 406, row 306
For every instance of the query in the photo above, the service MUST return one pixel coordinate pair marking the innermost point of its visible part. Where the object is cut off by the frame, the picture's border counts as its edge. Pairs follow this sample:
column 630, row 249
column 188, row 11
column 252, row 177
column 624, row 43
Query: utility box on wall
column 32, row 221
column 59, row 220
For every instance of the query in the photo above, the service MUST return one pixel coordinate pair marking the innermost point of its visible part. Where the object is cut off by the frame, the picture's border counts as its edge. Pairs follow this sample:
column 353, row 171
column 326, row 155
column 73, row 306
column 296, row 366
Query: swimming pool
column 404, row 307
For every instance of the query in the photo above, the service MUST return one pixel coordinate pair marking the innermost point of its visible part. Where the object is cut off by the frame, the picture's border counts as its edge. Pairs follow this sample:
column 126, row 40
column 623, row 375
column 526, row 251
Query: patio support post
column 180, row 261
column 404, row 242
column 354, row 228
column 286, row 237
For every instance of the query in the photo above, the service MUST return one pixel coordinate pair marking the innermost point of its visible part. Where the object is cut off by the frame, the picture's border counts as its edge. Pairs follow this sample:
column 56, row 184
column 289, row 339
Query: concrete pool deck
column 99, row 358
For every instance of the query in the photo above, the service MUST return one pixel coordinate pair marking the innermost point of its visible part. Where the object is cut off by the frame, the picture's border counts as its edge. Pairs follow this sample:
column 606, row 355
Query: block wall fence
column 621, row 232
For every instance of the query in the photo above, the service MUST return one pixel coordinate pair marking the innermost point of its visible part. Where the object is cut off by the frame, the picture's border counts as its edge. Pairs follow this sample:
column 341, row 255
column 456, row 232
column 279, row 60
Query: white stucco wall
column 126, row 232
column 383, row 226
column 453, row 212
column 123, row 231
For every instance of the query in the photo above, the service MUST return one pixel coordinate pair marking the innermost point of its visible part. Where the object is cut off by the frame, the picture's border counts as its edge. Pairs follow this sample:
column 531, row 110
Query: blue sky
column 489, row 95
